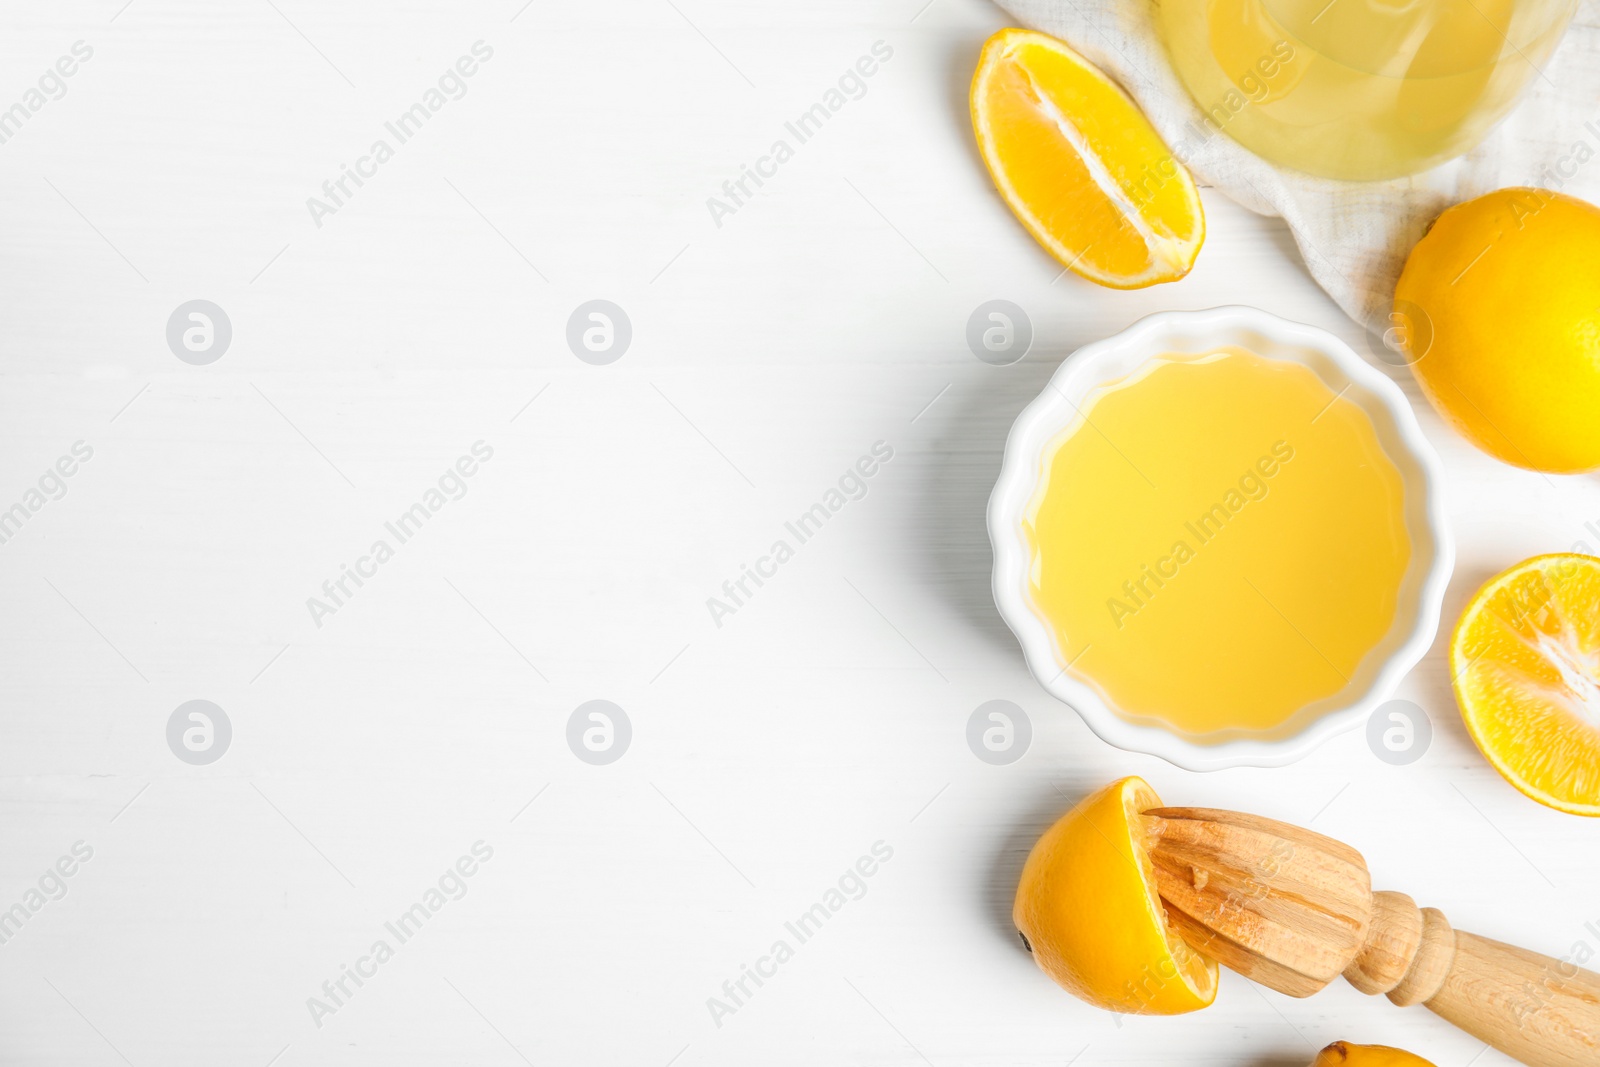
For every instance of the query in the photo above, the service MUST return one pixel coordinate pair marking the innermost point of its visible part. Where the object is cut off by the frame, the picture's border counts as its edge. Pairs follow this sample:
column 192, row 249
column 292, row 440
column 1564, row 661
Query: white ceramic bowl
column 1196, row 332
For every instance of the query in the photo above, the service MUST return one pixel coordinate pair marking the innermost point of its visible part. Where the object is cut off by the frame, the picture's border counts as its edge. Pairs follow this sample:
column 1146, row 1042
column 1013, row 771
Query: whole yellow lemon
column 1344, row 1054
column 1499, row 311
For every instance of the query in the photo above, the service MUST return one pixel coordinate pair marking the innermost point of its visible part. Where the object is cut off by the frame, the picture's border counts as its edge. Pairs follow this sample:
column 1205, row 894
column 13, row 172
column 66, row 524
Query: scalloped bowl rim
column 1182, row 331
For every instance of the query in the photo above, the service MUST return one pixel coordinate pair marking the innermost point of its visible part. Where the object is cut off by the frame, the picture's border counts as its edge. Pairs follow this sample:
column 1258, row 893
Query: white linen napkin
column 1354, row 236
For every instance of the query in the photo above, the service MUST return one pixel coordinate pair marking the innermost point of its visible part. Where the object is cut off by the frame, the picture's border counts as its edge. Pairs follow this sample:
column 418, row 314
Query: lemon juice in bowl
column 1218, row 543
column 1359, row 89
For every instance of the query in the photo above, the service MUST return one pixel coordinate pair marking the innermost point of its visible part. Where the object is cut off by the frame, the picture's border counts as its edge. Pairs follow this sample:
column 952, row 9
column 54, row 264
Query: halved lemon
column 1526, row 662
column 1088, row 910
column 1080, row 165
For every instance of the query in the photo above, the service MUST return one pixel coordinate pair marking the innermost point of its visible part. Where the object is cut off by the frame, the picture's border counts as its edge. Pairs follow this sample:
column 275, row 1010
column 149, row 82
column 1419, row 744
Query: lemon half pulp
column 1526, row 662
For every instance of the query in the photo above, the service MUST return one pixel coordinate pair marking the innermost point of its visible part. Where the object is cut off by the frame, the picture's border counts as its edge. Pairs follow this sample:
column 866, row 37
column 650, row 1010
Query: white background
column 768, row 354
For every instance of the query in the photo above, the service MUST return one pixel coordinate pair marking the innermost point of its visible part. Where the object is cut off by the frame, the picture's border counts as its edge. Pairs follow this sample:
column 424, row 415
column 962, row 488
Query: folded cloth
column 1354, row 236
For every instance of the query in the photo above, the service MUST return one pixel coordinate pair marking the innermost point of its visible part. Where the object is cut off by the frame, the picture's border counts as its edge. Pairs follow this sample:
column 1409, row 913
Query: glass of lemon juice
column 1359, row 89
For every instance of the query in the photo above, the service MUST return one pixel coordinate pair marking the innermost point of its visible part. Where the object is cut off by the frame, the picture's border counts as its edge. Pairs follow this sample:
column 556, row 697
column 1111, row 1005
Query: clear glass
column 1359, row 89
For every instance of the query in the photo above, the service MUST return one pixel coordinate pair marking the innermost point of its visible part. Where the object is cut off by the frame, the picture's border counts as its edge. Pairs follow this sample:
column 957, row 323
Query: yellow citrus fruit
column 1344, row 1054
column 1081, row 166
column 1499, row 305
column 1088, row 910
column 1526, row 661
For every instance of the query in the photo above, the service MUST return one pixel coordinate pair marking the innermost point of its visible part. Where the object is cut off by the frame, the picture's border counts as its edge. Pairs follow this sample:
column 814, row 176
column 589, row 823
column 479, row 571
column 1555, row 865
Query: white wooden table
column 374, row 744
